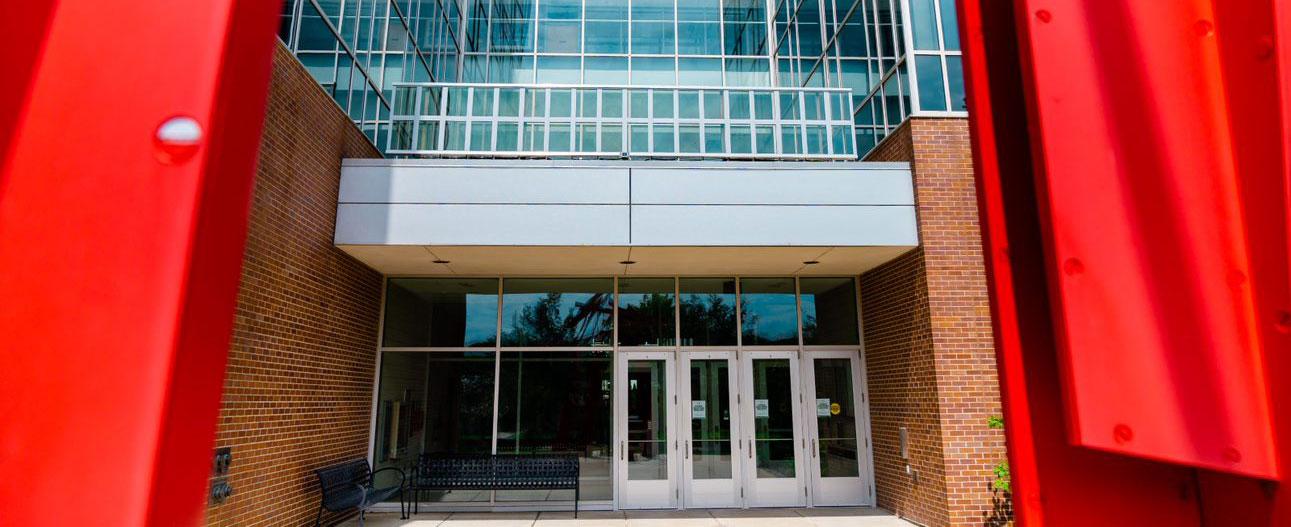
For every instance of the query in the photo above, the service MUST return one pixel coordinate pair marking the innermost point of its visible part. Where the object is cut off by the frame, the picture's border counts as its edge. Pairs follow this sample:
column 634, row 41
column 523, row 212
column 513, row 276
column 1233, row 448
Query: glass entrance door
column 773, row 475
column 839, row 459
column 647, row 472
column 710, row 444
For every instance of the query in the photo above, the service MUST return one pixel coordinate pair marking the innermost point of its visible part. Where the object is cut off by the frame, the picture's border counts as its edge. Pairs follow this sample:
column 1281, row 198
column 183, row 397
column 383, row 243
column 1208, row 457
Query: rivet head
column 1283, row 322
column 1044, row 16
column 1122, row 434
column 1073, row 266
column 1264, row 48
column 1203, row 28
column 177, row 139
column 1231, row 455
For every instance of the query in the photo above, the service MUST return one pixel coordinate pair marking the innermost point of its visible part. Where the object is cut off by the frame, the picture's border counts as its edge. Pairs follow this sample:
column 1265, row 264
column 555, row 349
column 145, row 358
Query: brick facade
column 929, row 349
column 298, row 393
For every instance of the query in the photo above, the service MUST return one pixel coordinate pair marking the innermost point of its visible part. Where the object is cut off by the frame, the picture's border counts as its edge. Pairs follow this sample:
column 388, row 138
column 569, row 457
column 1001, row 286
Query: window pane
column 932, row 95
column 558, row 70
column 748, row 72
column 647, row 401
column 688, row 138
column 746, row 32
column 611, row 138
column 923, row 24
column 455, row 136
column 605, row 71
column 741, row 139
column 663, row 104
column 558, row 402
column 714, row 139
column 769, row 311
column 838, row 450
column 557, row 312
column 713, row 105
column 774, row 432
column 652, row 27
column 508, row 136
column 710, row 383
column 510, row 70
column 559, row 140
column 509, row 102
column 707, row 312
column 955, row 74
column 653, row 72
column 699, row 72
column 828, row 311
column 431, row 403
column 607, row 37
column 440, row 312
column 698, row 25
column 559, row 27
column 790, row 139
column 481, row 136
column 611, row 103
column 688, row 105
column 949, row 25
column 663, row 139
column 764, row 139
column 641, row 138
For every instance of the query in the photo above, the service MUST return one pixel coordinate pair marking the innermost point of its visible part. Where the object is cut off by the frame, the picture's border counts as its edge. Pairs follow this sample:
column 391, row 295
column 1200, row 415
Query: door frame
column 687, row 482
column 747, row 416
column 670, row 491
column 865, row 469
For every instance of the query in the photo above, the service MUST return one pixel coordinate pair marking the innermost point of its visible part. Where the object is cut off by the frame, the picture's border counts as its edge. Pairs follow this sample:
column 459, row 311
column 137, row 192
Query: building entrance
column 710, row 429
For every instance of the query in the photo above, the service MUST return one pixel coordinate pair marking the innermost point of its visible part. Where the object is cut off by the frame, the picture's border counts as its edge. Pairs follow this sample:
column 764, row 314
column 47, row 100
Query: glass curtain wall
column 617, row 42
column 865, row 45
column 525, row 365
column 358, row 49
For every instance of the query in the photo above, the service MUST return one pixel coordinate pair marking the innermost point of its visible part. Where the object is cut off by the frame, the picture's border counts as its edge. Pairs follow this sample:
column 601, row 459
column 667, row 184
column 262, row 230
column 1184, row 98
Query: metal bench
column 352, row 484
column 494, row 472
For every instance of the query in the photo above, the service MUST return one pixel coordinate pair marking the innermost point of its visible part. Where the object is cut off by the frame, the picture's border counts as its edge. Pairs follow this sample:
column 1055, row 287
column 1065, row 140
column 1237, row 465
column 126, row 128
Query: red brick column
column 929, row 349
column 298, row 393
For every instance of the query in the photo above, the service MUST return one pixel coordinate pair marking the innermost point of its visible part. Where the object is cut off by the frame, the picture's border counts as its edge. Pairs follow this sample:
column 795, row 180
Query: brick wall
column 298, row 392
column 929, row 350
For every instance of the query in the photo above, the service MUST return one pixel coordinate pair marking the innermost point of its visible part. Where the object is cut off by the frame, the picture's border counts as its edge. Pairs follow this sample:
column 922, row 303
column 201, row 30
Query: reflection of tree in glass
column 808, row 326
column 545, row 324
column 710, row 319
column 647, row 322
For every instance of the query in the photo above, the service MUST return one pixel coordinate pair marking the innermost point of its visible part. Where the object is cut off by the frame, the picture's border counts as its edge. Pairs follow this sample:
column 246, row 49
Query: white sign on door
column 822, row 407
column 761, row 408
column 699, row 409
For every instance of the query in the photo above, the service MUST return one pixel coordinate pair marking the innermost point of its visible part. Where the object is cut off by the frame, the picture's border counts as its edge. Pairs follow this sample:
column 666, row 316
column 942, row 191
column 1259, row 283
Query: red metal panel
column 120, row 255
column 1148, row 259
column 1056, row 483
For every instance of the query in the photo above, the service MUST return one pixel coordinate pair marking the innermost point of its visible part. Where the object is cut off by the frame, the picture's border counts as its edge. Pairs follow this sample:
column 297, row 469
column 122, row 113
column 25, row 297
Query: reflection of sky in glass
column 770, row 318
column 481, row 319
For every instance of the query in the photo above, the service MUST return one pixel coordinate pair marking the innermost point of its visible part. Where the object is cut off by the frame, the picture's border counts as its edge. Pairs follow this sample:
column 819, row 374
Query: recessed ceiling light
column 627, row 262
column 442, row 261
column 811, row 262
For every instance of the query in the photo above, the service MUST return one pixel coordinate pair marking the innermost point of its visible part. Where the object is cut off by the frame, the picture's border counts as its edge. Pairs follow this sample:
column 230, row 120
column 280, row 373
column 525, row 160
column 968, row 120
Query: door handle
column 687, row 449
column 814, row 447
column 623, row 450
column 750, row 449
